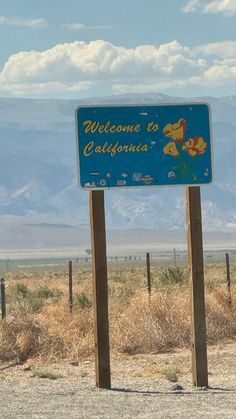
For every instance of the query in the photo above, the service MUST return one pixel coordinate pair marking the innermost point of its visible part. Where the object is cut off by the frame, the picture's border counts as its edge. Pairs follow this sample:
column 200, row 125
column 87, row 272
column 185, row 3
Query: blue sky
column 74, row 48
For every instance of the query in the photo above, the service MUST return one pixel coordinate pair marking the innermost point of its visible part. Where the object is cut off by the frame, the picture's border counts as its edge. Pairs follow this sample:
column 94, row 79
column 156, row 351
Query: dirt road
column 141, row 388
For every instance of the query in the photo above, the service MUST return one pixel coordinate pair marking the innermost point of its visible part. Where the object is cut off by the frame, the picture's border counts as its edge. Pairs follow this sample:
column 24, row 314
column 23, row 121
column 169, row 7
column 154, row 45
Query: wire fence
column 43, row 278
column 124, row 260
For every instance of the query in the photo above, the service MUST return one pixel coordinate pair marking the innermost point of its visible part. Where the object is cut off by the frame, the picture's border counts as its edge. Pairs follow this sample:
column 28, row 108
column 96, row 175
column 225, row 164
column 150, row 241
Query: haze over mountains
column 38, row 171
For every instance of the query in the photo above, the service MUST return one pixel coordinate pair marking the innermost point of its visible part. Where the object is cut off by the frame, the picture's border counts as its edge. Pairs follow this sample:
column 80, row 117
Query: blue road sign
column 143, row 145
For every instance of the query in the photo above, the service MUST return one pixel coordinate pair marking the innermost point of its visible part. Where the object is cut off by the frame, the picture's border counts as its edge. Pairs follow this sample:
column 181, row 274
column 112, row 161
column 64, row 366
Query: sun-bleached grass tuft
column 22, row 337
column 53, row 334
column 163, row 321
column 153, row 325
column 221, row 316
column 73, row 333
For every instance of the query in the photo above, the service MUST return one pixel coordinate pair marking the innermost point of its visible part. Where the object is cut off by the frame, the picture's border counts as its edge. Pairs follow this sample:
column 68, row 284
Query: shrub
column 121, row 294
column 82, row 301
column 34, row 299
column 47, row 374
column 44, row 292
column 19, row 290
column 172, row 374
column 34, row 303
column 22, row 338
column 173, row 275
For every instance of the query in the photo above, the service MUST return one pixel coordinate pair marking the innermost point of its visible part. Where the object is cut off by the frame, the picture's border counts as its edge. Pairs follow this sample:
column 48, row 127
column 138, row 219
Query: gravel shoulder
column 140, row 388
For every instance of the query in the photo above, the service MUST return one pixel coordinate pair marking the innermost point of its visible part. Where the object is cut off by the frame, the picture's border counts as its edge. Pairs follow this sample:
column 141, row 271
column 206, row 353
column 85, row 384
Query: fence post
column 228, row 279
column 70, row 287
column 3, row 299
column 149, row 285
column 174, row 256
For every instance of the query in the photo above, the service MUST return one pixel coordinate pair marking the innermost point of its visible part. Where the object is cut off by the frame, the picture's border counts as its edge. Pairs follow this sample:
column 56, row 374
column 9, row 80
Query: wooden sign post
column 100, row 286
column 196, row 276
column 228, row 279
column 122, row 146
column 3, row 298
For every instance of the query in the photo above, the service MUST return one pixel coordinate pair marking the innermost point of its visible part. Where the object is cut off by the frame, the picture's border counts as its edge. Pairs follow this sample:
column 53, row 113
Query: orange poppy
column 195, row 146
column 176, row 131
column 171, row 149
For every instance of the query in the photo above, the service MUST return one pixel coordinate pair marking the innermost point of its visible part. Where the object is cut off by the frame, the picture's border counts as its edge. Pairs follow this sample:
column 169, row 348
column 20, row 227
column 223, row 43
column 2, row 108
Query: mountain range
column 38, row 179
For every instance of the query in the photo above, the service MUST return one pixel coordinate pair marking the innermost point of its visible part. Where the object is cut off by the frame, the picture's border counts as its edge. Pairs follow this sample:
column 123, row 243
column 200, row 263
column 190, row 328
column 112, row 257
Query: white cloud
column 82, row 26
column 191, row 6
column 18, row 21
column 225, row 49
column 100, row 65
column 221, row 6
column 227, row 7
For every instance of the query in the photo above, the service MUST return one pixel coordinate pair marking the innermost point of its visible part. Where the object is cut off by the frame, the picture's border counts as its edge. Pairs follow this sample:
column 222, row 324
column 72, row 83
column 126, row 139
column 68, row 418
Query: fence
column 44, row 279
column 131, row 259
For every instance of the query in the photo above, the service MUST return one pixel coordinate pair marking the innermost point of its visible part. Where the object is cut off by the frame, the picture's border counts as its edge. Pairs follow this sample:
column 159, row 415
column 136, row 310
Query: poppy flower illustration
column 171, row 149
column 176, row 131
column 195, row 146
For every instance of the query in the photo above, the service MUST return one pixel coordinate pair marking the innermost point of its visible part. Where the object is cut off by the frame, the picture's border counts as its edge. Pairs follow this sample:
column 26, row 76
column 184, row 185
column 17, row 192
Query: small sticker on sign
column 121, row 182
column 137, row 176
column 90, row 185
column 171, row 175
column 146, row 179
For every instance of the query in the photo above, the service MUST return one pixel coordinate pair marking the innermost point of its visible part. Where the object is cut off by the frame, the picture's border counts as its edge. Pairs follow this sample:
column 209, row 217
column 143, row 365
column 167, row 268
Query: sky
column 85, row 48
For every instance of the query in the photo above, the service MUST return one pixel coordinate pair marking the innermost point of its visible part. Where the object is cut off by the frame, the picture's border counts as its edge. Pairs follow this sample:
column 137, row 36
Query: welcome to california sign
column 146, row 145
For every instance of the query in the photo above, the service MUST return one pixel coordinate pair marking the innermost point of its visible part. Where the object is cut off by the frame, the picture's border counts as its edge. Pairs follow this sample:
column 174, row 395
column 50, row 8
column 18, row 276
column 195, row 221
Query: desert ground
column 47, row 353
column 141, row 387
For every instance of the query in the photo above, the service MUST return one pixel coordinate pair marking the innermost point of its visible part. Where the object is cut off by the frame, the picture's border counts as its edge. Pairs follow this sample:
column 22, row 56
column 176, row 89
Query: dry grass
column 137, row 324
column 52, row 334
column 22, row 338
column 221, row 319
column 152, row 326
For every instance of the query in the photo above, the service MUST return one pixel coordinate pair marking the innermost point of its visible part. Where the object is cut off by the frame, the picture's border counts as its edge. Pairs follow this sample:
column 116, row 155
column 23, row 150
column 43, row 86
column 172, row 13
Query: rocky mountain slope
column 38, row 170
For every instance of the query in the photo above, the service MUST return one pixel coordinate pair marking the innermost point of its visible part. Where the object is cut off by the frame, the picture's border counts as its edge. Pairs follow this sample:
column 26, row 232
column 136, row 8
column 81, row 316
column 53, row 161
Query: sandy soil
column 140, row 388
